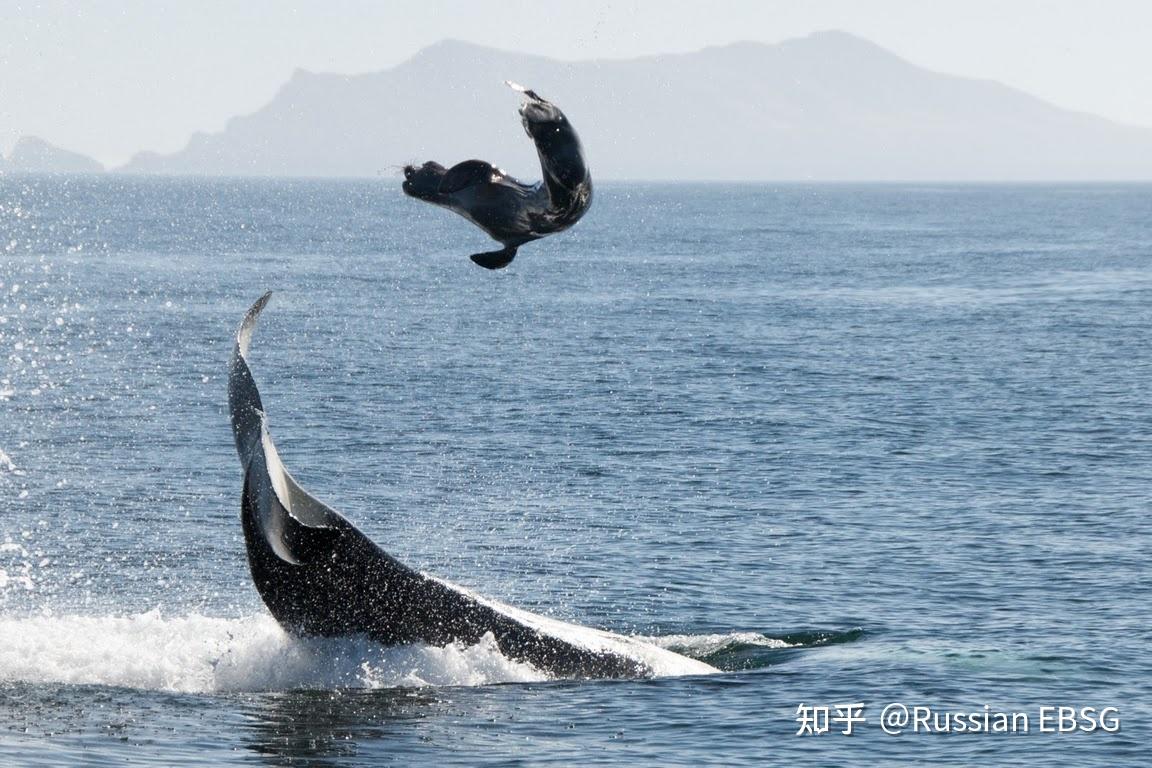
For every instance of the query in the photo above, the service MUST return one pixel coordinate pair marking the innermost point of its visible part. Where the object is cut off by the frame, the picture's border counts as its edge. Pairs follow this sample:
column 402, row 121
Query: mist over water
column 847, row 443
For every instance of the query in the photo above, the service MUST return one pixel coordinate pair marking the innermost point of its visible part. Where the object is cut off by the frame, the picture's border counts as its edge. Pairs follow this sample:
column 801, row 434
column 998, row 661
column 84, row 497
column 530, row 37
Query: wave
column 745, row 651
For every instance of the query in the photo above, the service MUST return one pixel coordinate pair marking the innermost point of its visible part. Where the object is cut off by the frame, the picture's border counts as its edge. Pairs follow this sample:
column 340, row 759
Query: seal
column 510, row 211
column 319, row 575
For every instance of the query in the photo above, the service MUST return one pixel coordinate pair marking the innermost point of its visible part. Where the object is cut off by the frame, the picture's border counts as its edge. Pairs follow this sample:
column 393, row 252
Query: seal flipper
column 495, row 259
column 528, row 92
column 466, row 174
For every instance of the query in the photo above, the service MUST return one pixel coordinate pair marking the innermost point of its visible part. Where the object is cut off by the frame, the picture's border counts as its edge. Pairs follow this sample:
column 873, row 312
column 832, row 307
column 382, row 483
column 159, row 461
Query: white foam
column 201, row 654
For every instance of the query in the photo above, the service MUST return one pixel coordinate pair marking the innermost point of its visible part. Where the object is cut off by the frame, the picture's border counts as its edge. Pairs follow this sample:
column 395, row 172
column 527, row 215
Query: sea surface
column 852, row 445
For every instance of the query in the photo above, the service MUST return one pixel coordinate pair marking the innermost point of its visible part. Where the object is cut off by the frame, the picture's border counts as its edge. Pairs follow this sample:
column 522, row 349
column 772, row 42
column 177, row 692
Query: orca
column 320, row 576
column 510, row 211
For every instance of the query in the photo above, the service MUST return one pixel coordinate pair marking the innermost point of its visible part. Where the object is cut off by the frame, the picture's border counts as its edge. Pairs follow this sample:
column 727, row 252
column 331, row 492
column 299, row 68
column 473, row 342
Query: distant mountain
column 827, row 106
column 33, row 155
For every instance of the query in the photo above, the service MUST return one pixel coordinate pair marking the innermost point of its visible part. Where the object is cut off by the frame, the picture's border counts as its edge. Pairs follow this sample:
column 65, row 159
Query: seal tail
column 495, row 259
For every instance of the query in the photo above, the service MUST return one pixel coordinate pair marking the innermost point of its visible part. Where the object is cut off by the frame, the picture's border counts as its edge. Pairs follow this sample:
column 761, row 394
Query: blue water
column 876, row 444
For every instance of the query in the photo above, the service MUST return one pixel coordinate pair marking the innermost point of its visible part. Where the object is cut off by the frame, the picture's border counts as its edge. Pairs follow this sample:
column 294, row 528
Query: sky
column 109, row 78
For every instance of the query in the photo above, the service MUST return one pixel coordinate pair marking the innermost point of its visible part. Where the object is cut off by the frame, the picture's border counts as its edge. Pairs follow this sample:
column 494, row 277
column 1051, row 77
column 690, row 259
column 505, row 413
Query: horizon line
column 610, row 181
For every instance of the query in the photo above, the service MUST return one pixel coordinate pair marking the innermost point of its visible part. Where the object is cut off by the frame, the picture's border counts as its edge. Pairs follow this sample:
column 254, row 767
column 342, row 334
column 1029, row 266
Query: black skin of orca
column 510, row 211
column 320, row 576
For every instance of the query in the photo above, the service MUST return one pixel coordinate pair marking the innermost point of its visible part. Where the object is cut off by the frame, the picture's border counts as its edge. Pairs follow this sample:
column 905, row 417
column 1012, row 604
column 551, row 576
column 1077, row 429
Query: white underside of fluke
column 660, row 661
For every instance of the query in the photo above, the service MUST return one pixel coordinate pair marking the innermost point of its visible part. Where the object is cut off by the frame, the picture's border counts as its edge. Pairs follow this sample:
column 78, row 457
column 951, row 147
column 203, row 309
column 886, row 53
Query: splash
column 201, row 654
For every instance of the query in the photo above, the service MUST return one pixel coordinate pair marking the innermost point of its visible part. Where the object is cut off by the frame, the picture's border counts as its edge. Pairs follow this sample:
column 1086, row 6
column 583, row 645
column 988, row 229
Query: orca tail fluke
column 320, row 575
column 247, row 411
column 495, row 259
column 291, row 520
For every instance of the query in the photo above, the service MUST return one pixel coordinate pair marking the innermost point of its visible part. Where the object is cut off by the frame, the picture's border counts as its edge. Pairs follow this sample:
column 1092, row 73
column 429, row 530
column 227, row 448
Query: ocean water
column 877, row 445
